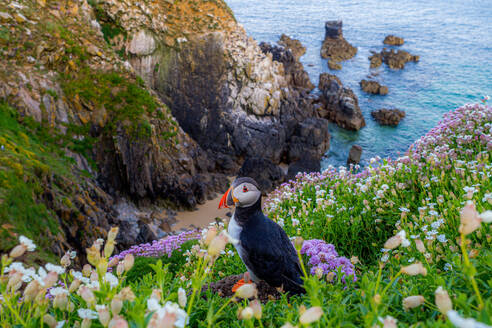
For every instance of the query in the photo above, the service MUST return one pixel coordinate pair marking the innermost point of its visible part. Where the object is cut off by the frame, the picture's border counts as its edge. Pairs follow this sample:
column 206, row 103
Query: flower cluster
column 323, row 256
column 161, row 247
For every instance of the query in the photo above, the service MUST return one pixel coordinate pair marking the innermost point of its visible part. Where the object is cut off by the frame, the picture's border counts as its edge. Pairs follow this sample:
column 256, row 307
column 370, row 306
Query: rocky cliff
column 120, row 139
column 232, row 98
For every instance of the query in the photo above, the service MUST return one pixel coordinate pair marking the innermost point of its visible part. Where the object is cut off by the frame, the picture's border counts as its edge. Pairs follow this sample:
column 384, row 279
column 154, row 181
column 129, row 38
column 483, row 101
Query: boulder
column 341, row 104
column 334, row 46
column 373, row 87
column 294, row 45
column 397, row 59
column 310, row 138
column 263, row 171
column 306, row 164
column 393, row 40
column 354, row 155
column 376, row 59
column 388, row 116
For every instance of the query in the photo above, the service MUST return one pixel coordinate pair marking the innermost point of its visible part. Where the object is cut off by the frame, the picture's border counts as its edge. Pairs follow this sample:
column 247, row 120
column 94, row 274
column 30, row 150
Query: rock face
column 295, row 74
column 393, row 40
column 236, row 99
column 388, row 116
column 267, row 174
column 335, row 47
column 373, row 87
column 394, row 59
column 124, row 141
column 354, row 155
column 305, row 164
column 295, row 46
column 341, row 104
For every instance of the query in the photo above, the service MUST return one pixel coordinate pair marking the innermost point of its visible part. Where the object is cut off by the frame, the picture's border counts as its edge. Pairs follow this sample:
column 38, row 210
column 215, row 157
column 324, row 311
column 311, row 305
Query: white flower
column 55, row 268
column 87, row 314
column 461, row 322
column 73, row 254
column 58, row 291
column 404, row 209
column 60, row 324
column 28, row 243
column 100, row 307
column 111, row 279
column 385, row 257
column 442, row 238
column 171, row 308
column 448, row 266
column 486, row 216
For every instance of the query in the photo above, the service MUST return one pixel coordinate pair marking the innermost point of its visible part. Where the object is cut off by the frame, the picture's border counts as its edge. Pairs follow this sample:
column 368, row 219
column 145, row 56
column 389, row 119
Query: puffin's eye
column 245, row 189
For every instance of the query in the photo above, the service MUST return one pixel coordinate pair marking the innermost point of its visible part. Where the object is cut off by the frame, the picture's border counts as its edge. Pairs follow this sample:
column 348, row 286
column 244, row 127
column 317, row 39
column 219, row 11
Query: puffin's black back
column 268, row 251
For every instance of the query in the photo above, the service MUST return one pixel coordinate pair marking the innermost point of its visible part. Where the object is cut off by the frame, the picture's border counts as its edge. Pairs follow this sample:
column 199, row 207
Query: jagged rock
column 376, row 60
column 294, row 45
column 305, row 164
column 373, row 87
column 393, row 40
column 341, row 104
column 294, row 70
column 310, row 139
column 335, row 47
column 334, row 65
column 397, row 59
column 388, row 116
column 263, row 171
column 354, row 155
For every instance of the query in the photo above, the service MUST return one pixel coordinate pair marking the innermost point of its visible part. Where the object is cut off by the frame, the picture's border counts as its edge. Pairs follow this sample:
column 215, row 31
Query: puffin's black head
column 244, row 192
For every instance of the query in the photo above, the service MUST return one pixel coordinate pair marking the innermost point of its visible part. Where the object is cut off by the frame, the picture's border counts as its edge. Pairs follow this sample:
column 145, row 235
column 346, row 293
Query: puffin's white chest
column 234, row 230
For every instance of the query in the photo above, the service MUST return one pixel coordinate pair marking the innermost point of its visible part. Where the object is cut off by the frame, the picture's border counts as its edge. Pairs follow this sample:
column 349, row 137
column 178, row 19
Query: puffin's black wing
column 270, row 255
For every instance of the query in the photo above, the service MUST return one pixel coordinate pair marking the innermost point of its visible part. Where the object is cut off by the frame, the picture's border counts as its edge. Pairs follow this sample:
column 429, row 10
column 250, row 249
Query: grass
column 28, row 160
column 422, row 193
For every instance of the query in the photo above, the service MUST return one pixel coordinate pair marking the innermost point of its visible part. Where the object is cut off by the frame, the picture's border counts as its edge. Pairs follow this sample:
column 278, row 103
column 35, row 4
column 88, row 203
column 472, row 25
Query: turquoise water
column 453, row 39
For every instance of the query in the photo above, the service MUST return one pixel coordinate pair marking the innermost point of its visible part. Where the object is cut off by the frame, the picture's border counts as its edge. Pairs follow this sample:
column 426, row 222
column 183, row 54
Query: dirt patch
column 224, row 288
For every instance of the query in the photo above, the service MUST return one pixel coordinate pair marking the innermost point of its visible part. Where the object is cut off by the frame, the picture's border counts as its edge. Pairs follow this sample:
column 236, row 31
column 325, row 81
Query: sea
column 452, row 38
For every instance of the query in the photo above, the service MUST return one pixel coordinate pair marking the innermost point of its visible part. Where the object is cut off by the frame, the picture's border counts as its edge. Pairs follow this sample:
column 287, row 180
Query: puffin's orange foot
column 237, row 285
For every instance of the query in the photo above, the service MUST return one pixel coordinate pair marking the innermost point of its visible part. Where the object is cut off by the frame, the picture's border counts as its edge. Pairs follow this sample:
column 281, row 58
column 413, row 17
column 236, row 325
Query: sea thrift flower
column 414, row 269
column 411, row 302
column 128, row 262
column 486, row 216
column 246, row 291
column 87, row 295
column 470, row 221
column 217, row 245
column 443, row 302
column 311, row 315
column 181, row 297
column 118, row 322
column 116, row 304
column 388, row 322
column 26, row 244
column 210, row 235
column 256, row 306
column 324, row 256
column 246, row 313
column 461, row 322
column 104, row 315
column 393, row 242
column 420, row 246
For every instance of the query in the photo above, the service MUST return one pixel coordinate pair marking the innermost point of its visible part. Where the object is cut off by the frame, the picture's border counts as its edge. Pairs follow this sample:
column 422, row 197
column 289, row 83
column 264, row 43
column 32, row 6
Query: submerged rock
column 334, row 46
column 388, row 116
column 393, row 40
column 397, row 59
column 373, row 87
column 341, row 104
column 354, row 155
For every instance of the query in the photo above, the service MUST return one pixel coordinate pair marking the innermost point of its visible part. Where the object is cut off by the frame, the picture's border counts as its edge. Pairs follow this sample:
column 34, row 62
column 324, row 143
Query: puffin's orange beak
column 224, row 199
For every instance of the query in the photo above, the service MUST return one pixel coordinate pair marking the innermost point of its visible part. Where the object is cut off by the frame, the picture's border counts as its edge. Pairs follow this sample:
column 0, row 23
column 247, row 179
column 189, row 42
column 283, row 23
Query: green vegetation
column 30, row 159
column 437, row 256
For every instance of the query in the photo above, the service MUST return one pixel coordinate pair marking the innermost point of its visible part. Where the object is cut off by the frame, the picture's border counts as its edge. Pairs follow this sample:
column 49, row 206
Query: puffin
column 263, row 245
